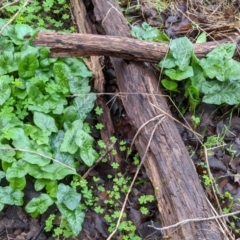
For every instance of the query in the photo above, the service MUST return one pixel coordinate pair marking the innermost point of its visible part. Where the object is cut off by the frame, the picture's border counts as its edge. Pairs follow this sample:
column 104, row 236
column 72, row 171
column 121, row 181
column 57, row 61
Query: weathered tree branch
column 76, row 45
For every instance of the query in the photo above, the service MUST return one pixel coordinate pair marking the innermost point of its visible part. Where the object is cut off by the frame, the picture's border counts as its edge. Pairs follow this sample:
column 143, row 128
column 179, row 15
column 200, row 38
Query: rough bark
column 178, row 190
column 77, row 44
column 93, row 62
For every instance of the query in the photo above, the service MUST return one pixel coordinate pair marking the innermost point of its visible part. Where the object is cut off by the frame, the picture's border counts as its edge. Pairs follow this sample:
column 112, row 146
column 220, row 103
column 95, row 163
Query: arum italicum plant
column 42, row 129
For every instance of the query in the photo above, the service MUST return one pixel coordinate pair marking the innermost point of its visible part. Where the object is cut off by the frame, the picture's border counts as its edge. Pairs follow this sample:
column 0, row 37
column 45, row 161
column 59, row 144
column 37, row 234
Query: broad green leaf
column 78, row 67
column 20, row 139
column 68, row 196
column 176, row 74
column 148, row 33
column 39, row 205
column 74, row 218
column 56, row 141
column 69, row 141
column 52, row 188
column 70, row 115
column 28, row 64
column 88, row 155
column 84, row 104
column 169, row 85
column 5, row 91
column 202, row 38
column 53, row 171
column 36, row 134
column 48, row 105
column 193, row 97
column 61, row 74
column 167, row 62
column 79, row 85
column 221, row 92
column 39, row 184
column 10, row 32
column 17, row 183
column 45, row 122
column 198, row 75
column 231, row 70
column 182, row 50
column 5, row 44
column 17, row 170
column 7, row 63
column 83, row 139
column 37, row 155
column 11, row 196
column 22, row 30
column 7, row 155
column 223, row 51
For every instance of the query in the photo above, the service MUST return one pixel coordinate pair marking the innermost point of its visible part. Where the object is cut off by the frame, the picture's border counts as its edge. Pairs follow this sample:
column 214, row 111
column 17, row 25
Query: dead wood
column 93, row 62
column 178, row 190
column 77, row 44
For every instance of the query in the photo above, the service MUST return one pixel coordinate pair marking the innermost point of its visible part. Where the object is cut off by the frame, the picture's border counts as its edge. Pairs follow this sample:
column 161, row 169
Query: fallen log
column 77, row 44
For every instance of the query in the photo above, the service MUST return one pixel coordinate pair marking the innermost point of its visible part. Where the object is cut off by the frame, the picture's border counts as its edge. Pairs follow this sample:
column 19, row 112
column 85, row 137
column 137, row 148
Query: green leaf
column 5, row 90
column 22, row 30
column 45, row 122
column 7, row 155
column 231, row 70
column 7, row 63
column 53, row 171
column 193, row 97
column 39, row 205
column 84, row 104
column 28, row 64
column 88, row 155
column 11, row 196
column 167, row 62
column 17, row 170
column 146, row 32
column 52, row 188
column 79, row 85
column 169, row 85
column 221, row 92
column 202, row 38
column 69, row 142
column 182, row 50
column 74, row 218
column 6, row 45
column 176, row 74
column 48, row 105
column 39, row 184
column 37, row 156
column 223, row 51
column 78, row 67
column 61, row 74
column 65, row 158
column 68, row 196
column 17, row 183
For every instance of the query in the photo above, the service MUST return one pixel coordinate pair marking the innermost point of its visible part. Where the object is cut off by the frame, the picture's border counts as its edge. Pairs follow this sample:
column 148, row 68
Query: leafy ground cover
column 46, row 105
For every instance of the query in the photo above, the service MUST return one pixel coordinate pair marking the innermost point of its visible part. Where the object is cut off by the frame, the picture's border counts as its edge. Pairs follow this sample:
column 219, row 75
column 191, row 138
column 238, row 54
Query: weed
column 48, row 14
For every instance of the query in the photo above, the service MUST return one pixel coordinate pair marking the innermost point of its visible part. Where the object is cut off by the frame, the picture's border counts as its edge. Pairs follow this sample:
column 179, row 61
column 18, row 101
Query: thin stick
column 194, row 220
